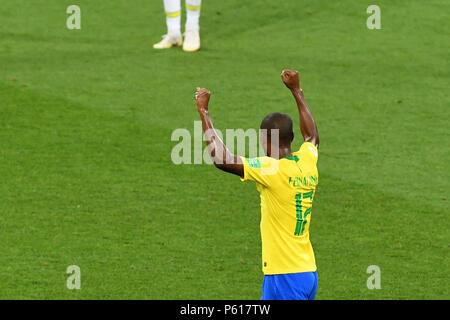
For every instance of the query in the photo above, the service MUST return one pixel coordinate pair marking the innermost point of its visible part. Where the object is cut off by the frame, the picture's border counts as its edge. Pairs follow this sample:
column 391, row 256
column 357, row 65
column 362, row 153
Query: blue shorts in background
column 290, row 286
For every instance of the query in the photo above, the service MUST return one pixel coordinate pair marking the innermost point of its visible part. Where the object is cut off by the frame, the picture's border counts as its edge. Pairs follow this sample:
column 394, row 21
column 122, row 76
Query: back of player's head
column 283, row 123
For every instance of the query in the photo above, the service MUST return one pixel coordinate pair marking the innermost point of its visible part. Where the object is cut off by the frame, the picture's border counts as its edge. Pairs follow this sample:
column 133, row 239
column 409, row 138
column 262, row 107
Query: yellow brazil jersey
column 287, row 187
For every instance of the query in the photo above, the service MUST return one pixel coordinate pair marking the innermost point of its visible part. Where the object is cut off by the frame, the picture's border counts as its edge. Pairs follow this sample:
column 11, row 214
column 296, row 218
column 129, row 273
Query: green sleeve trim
column 254, row 163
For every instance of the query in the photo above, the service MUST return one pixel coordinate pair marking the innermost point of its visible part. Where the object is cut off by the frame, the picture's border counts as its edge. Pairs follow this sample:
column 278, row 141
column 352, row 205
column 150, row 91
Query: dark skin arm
column 220, row 155
column 307, row 124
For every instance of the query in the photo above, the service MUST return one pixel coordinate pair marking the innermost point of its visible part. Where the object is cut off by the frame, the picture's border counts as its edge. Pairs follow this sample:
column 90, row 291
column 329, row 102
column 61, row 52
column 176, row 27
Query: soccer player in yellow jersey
column 286, row 182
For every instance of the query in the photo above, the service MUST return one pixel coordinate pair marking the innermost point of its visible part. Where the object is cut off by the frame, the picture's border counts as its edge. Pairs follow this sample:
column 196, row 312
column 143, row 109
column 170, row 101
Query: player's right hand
column 290, row 79
column 202, row 98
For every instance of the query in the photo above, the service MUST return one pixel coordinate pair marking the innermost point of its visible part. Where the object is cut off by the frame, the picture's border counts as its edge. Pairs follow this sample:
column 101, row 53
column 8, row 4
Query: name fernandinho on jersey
column 298, row 182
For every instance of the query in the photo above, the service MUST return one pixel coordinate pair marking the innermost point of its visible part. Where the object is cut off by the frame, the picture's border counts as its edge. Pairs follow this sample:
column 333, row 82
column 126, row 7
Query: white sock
column 193, row 14
column 173, row 16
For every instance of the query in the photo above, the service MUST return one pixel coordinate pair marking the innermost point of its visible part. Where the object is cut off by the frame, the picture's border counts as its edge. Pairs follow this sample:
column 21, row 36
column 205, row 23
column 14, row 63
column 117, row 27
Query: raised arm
column 307, row 125
column 220, row 155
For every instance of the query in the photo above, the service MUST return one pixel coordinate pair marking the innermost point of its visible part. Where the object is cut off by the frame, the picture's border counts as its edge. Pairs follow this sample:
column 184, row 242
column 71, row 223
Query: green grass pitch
column 86, row 175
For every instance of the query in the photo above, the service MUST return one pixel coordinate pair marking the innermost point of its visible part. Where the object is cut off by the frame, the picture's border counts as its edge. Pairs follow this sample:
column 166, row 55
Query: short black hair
column 283, row 123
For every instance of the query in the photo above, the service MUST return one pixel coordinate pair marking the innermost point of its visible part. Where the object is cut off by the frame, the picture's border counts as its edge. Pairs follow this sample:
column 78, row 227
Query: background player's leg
column 173, row 16
column 192, row 35
column 193, row 14
column 173, row 21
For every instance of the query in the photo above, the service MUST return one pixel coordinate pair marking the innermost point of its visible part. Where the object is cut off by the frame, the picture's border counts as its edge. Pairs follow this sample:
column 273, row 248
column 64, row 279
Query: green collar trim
column 294, row 157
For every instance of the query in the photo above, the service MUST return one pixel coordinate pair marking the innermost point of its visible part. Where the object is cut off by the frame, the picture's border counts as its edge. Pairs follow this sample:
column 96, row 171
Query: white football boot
column 191, row 40
column 168, row 41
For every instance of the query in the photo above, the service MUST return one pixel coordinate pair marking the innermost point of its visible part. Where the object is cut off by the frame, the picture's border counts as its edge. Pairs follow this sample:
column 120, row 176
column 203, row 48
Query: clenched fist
column 202, row 99
column 290, row 79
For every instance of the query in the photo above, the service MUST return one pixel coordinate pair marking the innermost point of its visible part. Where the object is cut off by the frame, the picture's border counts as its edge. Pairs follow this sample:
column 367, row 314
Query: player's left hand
column 202, row 98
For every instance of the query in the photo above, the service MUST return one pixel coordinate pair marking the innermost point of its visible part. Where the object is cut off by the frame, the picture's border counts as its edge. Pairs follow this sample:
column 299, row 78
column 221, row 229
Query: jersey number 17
column 302, row 219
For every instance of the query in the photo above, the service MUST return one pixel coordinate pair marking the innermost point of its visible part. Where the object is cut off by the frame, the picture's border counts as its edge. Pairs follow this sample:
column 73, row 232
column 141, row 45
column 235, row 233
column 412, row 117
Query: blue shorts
column 290, row 286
